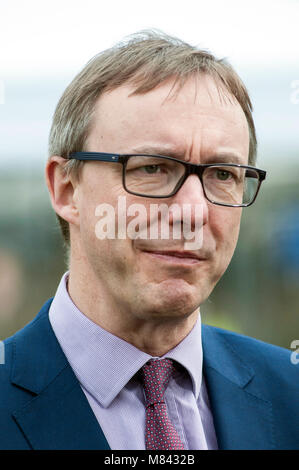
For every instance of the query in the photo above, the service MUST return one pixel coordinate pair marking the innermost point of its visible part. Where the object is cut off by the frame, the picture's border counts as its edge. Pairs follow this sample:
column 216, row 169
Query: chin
column 172, row 299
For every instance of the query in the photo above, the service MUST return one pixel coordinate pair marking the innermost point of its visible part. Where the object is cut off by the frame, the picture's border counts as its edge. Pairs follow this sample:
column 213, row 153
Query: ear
column 62, row 190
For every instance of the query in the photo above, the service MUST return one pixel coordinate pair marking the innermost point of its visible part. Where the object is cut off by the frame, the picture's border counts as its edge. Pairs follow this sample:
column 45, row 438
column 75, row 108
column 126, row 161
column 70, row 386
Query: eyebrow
column 221, row 157
column 157, row 150
column 228, row 157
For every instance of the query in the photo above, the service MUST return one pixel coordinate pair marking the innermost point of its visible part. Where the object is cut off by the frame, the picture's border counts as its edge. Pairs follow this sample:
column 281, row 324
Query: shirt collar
column 103, row 362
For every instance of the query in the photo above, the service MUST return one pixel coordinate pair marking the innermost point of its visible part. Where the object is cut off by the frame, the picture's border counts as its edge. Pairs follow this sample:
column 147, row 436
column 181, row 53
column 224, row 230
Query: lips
column 177, row 254
column 183, row 258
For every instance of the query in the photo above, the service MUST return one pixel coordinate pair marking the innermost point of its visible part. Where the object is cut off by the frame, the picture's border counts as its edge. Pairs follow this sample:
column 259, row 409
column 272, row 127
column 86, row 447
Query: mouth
column 178, row 257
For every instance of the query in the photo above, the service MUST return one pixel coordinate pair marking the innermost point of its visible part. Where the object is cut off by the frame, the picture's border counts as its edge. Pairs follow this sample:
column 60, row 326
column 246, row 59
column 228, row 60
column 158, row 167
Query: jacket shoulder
column 268, row 360
column 13, row 397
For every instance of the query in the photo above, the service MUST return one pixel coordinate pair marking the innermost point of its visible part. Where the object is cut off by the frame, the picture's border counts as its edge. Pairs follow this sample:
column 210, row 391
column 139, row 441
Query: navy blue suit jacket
column 253, row 389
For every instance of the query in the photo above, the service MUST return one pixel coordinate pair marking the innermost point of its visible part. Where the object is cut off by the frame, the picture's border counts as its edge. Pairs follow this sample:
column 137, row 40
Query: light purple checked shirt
column 105, row 366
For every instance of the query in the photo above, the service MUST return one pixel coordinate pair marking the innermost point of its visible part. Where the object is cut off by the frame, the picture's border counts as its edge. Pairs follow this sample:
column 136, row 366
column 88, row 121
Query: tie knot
column 156, row 375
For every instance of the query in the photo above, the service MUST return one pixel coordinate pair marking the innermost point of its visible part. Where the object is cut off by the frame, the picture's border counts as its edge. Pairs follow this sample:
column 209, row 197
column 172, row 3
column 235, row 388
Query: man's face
column 199, row 125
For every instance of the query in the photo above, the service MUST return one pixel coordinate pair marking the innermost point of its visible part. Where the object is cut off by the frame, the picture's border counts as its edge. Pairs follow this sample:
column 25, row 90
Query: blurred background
column 45, row 44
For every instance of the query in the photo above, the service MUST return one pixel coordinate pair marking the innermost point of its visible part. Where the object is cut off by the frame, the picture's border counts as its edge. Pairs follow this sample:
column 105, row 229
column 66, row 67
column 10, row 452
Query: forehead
column 199, row 114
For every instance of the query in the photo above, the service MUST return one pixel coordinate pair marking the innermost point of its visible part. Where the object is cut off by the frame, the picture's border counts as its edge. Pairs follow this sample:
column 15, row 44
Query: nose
column 192, row 194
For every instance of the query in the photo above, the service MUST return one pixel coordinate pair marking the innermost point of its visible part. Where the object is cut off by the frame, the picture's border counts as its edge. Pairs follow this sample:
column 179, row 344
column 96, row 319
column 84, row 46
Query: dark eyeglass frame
column 190, row 169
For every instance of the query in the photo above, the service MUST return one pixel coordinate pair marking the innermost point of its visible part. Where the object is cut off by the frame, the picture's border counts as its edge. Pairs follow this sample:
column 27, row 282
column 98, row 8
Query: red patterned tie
column 160, row 433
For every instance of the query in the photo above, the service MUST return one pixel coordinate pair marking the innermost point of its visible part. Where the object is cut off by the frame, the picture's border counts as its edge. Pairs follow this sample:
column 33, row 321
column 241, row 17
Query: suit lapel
column 59, row 415
column 242, row 418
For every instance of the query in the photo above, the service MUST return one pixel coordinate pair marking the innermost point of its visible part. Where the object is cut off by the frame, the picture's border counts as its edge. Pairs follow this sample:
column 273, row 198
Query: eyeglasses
column 157, row 176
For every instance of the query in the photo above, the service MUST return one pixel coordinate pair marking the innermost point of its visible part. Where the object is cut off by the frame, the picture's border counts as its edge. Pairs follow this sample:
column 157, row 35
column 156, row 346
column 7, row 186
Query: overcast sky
column 45, row 43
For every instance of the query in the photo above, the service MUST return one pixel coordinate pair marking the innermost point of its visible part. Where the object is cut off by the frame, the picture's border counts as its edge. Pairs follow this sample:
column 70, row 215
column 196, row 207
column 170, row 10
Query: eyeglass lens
column 223, row 184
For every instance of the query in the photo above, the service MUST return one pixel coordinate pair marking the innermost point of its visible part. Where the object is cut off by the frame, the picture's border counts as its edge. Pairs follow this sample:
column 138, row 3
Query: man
column 119, row 358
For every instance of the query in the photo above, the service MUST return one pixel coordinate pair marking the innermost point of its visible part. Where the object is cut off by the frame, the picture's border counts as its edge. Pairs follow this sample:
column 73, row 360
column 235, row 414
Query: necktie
column 160, row 433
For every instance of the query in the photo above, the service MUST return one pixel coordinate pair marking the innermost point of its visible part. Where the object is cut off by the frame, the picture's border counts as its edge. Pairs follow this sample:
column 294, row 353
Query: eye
column 151, row 169
column 223, row 175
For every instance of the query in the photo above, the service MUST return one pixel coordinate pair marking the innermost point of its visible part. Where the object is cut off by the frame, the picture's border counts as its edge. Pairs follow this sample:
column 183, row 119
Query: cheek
column 98, row 199
column 109, row 253
column 225, row 227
